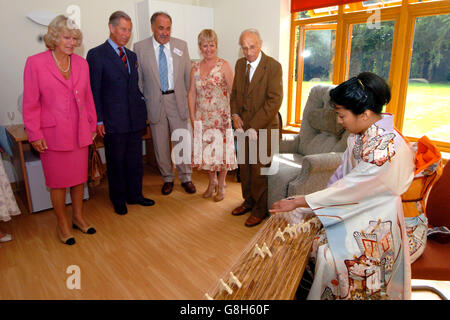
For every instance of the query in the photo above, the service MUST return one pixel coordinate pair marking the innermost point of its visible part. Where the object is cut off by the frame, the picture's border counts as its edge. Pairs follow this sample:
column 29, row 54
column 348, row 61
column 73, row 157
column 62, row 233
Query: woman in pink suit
column 60, row 120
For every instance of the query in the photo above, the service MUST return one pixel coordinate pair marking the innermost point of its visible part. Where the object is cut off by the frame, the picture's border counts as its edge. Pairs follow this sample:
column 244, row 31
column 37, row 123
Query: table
column 20, row 139
column 20, row 144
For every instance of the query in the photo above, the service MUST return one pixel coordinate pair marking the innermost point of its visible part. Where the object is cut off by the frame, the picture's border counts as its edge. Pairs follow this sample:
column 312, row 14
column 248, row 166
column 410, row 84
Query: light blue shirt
column 169, row 59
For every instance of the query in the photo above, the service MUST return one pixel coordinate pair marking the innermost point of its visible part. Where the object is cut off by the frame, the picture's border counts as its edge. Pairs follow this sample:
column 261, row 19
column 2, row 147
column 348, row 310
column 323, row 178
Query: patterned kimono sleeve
column 339, row 173
column 361, row 182
column 367, row 180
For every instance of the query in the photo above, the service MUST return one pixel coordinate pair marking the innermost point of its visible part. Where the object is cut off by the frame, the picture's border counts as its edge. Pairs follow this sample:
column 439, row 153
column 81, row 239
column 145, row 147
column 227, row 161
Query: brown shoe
column 253, row 221
column 189, row 187
column 239, row 211
column 167, row 188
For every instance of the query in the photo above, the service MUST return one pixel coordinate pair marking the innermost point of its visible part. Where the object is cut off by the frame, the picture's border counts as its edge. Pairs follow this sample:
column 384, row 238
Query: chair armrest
column 323, row 161
column 289, row 143
column 317, row 170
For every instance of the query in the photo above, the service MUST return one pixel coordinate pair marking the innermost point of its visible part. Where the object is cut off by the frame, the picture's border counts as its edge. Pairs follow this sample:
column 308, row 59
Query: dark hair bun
column 367, row 91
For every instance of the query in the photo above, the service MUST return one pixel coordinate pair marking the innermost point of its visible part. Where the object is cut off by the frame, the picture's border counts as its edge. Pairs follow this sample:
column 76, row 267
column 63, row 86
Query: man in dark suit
column 121, row 113
column 255, row 100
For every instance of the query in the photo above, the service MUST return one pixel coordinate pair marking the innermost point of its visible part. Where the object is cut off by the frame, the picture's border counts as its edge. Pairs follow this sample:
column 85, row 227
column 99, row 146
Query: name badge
column 178, row 52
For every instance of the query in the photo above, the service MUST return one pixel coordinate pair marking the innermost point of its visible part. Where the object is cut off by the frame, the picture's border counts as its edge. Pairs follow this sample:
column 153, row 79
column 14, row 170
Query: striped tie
column 247, row 78
column 123, row 57
column 163, row 73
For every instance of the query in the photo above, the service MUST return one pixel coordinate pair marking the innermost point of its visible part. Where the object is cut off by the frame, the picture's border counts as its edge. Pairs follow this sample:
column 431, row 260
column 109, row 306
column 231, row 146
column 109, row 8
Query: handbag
column 95, row 166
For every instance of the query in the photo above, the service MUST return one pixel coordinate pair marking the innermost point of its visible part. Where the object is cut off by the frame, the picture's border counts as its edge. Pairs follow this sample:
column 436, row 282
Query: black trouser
column 123, row 152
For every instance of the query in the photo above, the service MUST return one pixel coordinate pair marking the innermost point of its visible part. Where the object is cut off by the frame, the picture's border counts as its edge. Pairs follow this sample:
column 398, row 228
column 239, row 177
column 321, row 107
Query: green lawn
column 427, row 109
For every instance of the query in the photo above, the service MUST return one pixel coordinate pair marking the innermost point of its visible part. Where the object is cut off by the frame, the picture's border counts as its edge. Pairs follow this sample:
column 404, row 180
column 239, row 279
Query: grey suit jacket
column 150, row 84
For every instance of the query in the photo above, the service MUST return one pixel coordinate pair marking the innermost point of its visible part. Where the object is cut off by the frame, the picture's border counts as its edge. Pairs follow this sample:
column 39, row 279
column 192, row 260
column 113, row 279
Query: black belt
column 167, row 92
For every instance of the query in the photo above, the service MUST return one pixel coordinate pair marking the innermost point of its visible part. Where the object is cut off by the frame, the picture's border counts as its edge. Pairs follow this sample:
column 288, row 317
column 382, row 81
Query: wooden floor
column 176, row 249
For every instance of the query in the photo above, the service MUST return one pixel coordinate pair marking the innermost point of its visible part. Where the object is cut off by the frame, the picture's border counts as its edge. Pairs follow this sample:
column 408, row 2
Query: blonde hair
column 207, row 35
column 56, row 27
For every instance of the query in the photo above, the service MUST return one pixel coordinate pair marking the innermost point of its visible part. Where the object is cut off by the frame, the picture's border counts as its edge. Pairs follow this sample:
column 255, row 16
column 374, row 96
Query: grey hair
column 252, row 31
column 157, row 14
column 116, row 16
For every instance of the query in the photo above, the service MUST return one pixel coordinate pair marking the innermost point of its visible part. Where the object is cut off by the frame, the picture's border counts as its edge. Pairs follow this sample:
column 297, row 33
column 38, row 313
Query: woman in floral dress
column 209, row 108
column 8, row 204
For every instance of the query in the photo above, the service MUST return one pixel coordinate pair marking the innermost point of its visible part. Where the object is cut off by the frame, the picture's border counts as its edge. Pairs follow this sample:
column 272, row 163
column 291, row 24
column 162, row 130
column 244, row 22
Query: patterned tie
column 123, row 57
column 163, row 73
column 247, row 78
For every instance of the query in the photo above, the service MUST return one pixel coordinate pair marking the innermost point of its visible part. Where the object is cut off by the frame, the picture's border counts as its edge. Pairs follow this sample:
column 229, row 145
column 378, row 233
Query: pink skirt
column 64, row 169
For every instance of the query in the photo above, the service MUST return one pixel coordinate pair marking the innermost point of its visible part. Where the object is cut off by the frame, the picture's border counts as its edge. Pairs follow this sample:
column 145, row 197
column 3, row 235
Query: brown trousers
column 254, row 185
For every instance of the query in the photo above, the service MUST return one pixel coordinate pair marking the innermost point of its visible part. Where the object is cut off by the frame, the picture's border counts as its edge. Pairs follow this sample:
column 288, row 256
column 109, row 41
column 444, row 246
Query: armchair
column 307, row 161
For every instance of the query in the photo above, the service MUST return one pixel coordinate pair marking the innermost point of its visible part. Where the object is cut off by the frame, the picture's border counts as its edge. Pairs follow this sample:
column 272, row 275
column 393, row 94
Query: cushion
column 320, row 132
column 324, row 120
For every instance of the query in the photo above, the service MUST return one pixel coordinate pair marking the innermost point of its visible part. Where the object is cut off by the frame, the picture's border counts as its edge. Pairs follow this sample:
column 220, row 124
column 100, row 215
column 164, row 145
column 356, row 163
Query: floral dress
column 8, row 204
column 213, row 135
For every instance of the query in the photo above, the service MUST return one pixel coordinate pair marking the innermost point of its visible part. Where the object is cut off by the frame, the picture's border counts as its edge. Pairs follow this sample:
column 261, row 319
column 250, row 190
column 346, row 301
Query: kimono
column 362, row 250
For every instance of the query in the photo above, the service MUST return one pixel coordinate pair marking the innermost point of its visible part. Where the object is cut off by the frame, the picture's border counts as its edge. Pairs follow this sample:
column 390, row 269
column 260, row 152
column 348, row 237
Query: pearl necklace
column 57, row 63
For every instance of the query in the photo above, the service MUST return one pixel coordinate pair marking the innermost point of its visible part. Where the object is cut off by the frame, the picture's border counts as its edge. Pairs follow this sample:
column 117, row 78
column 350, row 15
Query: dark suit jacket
column 118, row 100
column 259, row 108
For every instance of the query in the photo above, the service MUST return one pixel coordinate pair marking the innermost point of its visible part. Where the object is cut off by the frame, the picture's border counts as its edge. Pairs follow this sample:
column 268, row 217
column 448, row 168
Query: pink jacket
column 46, row 99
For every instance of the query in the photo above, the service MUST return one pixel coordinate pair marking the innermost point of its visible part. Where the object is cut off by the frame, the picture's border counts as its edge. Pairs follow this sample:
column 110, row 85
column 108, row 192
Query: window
column 318, row 59
column 407, row 42
column 371, row 5
column 418, row 1
column 314, row 54
column 319, row 12
column 371, row 49
column 427, row 109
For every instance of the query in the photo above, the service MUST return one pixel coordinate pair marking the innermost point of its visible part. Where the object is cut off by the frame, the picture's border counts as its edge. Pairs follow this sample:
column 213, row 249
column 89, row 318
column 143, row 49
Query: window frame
column 404, row 17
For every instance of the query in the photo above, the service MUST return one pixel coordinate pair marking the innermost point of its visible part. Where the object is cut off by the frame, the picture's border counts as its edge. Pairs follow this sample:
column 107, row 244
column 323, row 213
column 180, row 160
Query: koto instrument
column 272, row 265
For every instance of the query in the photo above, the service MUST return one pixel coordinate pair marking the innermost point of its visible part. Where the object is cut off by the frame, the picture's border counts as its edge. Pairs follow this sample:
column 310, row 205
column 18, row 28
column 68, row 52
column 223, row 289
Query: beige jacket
column 150, row 84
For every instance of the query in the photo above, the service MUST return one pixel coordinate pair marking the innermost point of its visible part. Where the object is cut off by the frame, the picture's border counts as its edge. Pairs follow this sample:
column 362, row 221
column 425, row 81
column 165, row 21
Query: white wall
column 20, row 35
column 270, row 17
column 20, row 38
column 283, row 55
